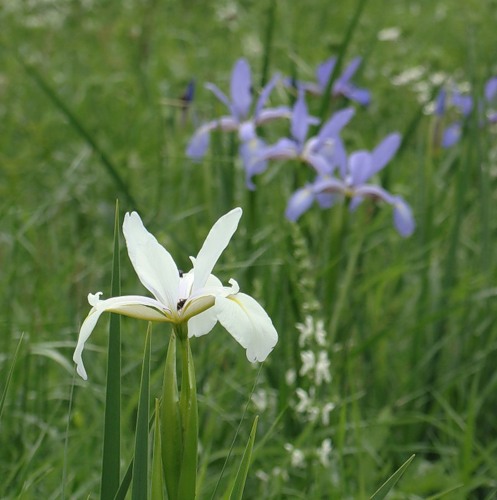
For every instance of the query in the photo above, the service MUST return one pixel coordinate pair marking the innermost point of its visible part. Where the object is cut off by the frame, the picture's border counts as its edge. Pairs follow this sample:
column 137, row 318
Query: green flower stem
column 189, row 417
column 171, row 432
column 179, row 429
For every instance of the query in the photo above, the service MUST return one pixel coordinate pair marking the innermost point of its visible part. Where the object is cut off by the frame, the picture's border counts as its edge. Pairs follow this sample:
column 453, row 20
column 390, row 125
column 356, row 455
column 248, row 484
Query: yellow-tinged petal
column 248, row 323
column 130, row 305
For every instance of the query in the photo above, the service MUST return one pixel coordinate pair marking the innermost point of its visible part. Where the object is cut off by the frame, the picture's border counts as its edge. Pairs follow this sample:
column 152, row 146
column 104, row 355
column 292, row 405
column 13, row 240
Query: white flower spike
column 196, row 297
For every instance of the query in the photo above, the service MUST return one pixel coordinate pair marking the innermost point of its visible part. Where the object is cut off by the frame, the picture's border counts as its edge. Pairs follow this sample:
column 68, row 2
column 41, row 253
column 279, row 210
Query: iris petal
column 152, row 262
column 215, row 243
column 131, row 305
column 248, row 323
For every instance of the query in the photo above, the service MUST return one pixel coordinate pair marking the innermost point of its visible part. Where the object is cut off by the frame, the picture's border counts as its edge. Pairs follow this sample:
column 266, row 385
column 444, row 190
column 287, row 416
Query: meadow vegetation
column 387, row 344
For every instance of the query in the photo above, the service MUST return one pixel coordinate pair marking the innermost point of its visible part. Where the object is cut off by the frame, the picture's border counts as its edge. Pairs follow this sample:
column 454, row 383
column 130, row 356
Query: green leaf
column 189, row 421
column 392, row 480
column 9, row 376
column 157, row 476
column 171, row 434
column 139, row 490
column 241, row 475
column 268, row 40
column 112, row 420
column 126, row 481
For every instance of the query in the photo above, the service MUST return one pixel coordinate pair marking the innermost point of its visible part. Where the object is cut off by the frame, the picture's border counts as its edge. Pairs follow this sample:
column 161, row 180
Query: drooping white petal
column 202, row 323
column 131, row 305
column 86, row 329
column 152, row 262
column 217, row 240
column 248, row 323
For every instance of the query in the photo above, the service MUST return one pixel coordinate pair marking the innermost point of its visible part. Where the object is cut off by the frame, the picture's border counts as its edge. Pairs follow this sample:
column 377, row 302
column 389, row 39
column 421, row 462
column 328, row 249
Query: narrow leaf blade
column 241, row 475
column 139, row 490
column 111, row 458
column 382, row 492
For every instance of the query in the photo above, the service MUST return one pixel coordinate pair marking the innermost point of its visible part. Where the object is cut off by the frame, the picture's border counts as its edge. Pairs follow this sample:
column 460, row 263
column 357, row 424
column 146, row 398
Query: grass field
column 387, row 345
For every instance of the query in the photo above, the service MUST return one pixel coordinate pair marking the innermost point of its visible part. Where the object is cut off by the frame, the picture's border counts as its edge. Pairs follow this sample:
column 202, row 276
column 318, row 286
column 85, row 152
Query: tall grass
column 90, row 113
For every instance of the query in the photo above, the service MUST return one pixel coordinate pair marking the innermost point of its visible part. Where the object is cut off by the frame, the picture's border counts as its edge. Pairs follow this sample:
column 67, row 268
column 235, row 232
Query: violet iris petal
column 491, row 89
column 451, row 135
column 300, row 120
column 324, row 71
column 299, row 202
column 241, row 89
column 250, row 152
column 402, row 217
column 385, row 151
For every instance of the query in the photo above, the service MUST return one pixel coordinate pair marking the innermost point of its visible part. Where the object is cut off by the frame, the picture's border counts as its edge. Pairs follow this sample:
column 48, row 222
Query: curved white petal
column 248, row 323
column 131, row 305
column 195, row 306
column 86, row 329
column 152, row 262
column 202, row 323
column 217, row 240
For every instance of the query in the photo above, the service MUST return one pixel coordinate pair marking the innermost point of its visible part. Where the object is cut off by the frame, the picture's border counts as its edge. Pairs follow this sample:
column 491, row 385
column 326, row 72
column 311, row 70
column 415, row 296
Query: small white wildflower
column 438, row 78
column 297, row 458
column 324, row 452
column 389, row 34
column 320, row 333
column 262, row 476
column 323, row 368
column 304, row 401
column 409, row 75
column 290, row 377
column 306, row 330
column 313, row 413
column 325, row 412
column 308, row 359
column 280, row 473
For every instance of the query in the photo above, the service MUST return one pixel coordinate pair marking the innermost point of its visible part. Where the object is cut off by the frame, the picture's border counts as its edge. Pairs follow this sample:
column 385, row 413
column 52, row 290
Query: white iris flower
column 196, row 297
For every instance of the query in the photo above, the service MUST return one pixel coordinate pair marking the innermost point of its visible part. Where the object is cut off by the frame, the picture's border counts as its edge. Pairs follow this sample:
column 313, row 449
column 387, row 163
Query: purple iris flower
column 355, row 172
column 342, row 85
column 321, row 151
column 239, row 119
column 490, row 96
column 463, row 104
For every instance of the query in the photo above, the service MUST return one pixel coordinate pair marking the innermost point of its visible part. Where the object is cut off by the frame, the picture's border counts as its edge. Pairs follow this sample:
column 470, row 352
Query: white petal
column 131, row 305
column 248, row 323
column 152, row 262
column 202, row 323
column 86, row 329
column 217, row 240
column 197, row 305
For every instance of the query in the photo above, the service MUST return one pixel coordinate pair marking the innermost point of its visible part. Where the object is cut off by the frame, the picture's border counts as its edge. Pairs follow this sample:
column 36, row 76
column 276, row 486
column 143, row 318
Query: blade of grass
column 9, row 376
column 111, row 457
column 126, row 481
column 237, row 432
column 79, row 127
column 139, row 489
column 157, row 476
column 268, row 41
column 382, row 492
column 241, row 475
